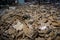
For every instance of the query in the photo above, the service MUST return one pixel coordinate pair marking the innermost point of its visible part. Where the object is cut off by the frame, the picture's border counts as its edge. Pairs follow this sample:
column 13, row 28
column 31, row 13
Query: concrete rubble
column 30, row 22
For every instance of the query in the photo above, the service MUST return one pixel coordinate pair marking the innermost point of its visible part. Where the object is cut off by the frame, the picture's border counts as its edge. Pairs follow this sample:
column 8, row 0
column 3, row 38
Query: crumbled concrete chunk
column 18, row 25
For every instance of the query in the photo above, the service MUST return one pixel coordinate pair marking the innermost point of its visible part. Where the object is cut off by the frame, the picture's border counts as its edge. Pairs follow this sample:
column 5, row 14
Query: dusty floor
column 30, row 22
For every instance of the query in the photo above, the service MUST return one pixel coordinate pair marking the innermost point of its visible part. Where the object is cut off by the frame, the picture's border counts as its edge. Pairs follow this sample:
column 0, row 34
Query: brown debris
column 30, row 22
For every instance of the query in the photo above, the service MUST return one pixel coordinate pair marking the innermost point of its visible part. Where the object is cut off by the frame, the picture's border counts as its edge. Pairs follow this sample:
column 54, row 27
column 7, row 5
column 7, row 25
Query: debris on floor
column 30, row 22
